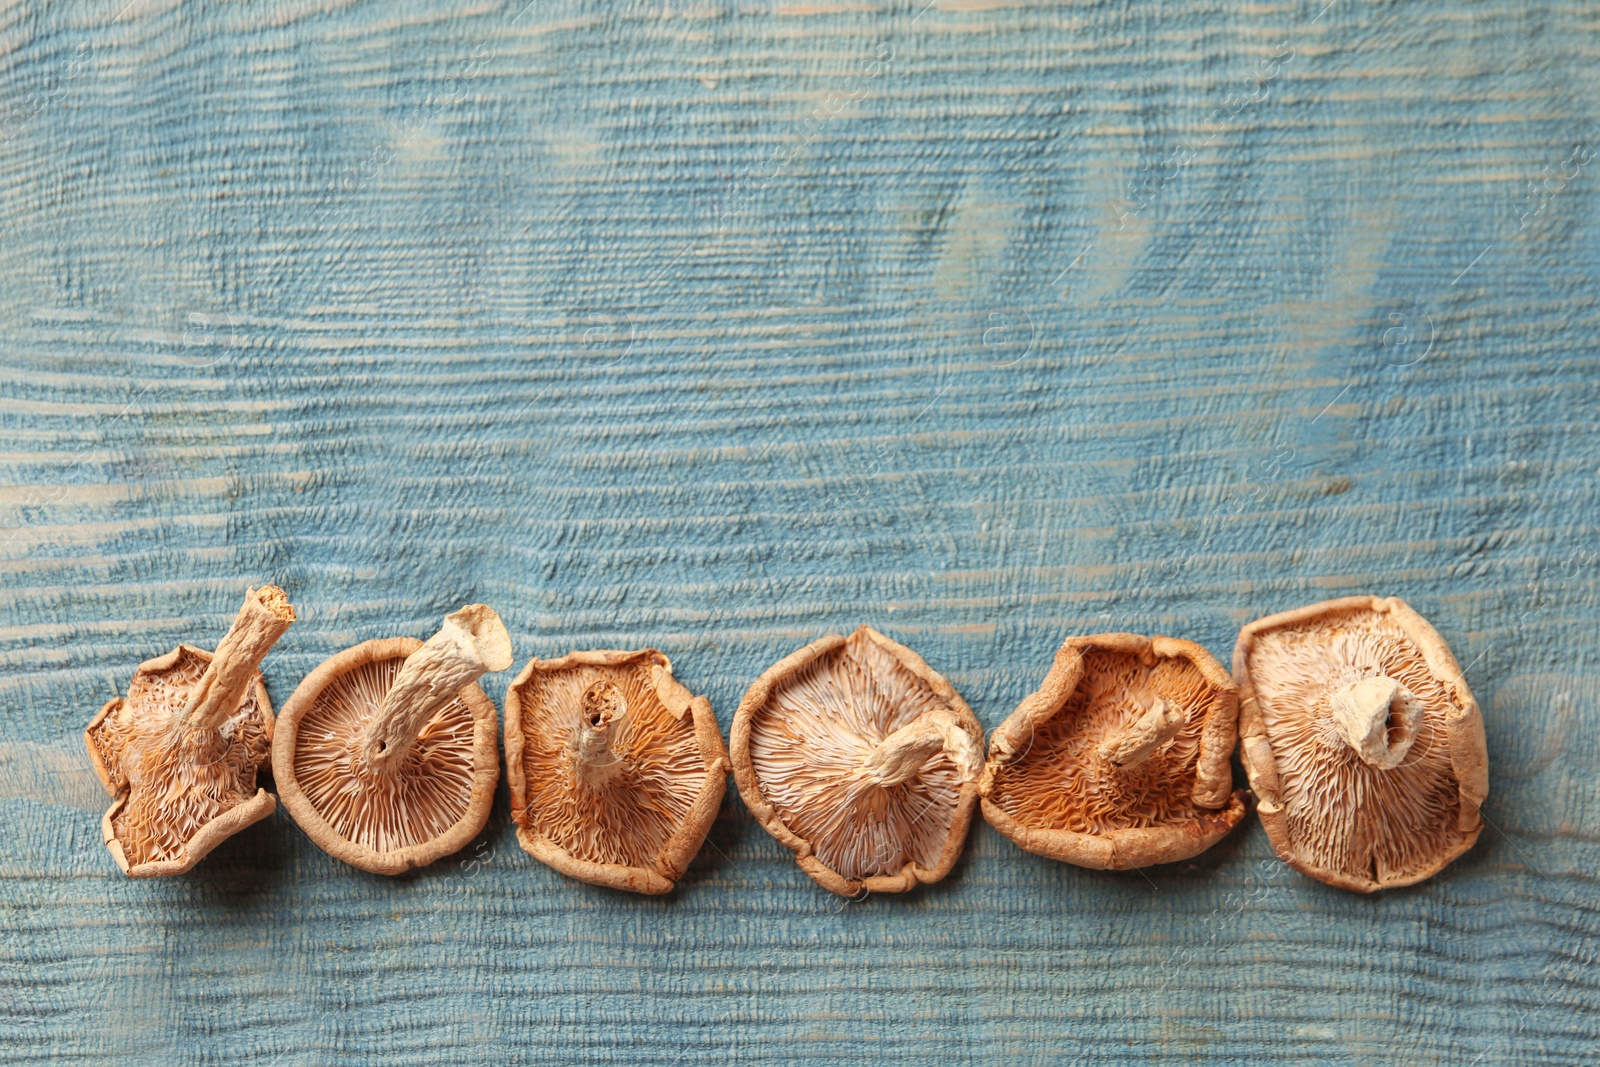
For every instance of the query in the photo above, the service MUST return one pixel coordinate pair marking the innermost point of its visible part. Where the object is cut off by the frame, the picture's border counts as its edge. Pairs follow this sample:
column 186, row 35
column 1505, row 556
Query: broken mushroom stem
column 604, row 708
column 897, row 758
column 1144, row 738
column 1377, row 717
column 472, row 642
column 225, row 683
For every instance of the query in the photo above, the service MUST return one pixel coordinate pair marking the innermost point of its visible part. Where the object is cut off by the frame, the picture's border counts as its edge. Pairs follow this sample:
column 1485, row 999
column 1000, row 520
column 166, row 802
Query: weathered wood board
column 716, row 327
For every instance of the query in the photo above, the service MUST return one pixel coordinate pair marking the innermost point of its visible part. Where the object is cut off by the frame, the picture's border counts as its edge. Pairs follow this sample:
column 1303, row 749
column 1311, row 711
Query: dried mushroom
column 386, row 754
column 1121, row 758
column 616, row 770
column 179, row 754
column 1363, row 744
column 860, row 758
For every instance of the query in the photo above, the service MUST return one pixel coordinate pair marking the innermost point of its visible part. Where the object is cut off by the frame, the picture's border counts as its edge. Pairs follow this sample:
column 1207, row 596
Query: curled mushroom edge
column 1121, row 758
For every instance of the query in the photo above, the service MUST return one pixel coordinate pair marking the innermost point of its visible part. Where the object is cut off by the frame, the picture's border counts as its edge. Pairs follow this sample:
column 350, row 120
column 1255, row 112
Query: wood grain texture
column 715, row 328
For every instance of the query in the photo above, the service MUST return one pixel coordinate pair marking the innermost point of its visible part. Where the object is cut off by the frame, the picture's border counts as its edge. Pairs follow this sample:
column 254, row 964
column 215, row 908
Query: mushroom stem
column 472, row 642
column 1140, row 741
column 1377, row 717
column 225, row 683
column 898, row 757
column 604, row 708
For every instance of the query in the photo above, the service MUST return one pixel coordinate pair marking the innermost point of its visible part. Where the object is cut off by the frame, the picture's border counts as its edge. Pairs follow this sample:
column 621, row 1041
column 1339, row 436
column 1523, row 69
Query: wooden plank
column 716, row 328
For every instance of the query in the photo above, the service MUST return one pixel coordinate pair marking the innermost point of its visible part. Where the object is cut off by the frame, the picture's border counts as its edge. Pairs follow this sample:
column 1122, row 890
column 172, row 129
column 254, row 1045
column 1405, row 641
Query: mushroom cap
column 636, row 821
column 175, row 802
column 804, row 730
column 431, row 806
column 1051, row 785
column 1328, row 812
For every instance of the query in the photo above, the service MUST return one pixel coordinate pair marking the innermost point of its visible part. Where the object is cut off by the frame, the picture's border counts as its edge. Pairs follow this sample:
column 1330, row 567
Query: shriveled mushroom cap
column 428, row 804
column 171, row 810
column 616, row 770
column 1121, row 758
column 1363, row 744
column 860, row 758
column 179, row 754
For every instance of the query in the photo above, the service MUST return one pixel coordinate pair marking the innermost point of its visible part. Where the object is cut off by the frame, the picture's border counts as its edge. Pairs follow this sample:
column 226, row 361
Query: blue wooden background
column 719, row 326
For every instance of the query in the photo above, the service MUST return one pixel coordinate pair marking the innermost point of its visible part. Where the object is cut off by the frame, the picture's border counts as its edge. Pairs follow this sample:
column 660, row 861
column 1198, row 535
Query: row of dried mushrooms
column 1363, row 746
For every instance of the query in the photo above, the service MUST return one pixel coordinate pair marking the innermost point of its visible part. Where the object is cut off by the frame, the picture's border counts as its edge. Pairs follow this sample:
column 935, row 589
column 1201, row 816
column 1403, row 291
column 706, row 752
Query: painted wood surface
column 717, row 327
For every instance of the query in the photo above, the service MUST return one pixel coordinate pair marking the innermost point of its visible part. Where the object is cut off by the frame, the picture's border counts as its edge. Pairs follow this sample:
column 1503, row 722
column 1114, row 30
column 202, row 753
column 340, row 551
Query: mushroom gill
column 862, row 759
column 181, row 751
column 1067, row 783
column 1362, row 741
column 386, row 753
column 177, row 782
column 616, row 770
column 409, row 804
column 1121, row 758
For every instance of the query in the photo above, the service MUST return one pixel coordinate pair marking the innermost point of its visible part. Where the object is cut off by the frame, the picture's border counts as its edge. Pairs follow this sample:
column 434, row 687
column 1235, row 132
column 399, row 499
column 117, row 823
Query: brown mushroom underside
column 848, row 751
column 1360, row 807
column 427, row 805
column 186, row 791
column 1120, row 760
column 616, row 770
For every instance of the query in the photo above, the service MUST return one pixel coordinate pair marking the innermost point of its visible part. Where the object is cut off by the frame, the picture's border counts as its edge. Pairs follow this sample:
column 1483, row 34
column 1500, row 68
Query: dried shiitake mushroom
column 180, row 752
column 616, row 770
column 386, row 754
column 860, row 758
column 1363, row 744
column 1121, row 758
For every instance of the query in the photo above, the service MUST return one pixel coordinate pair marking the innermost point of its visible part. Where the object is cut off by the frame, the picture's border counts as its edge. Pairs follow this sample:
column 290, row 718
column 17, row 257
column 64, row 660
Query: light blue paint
column 584, row 310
